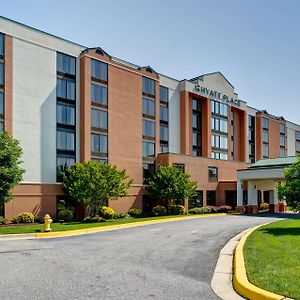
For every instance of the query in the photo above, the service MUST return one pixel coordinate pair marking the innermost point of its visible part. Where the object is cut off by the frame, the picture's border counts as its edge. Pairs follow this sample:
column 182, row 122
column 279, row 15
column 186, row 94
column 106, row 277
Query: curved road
column 173, row 260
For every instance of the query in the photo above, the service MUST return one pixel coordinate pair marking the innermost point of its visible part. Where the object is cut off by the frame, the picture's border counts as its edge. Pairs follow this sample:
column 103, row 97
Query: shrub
column 224, row 209
column 14, row 220
column 213, row 209
column 159, row 210
column 65, row 215
column 200, row 210
column 107, row 213
column 3, row 221
column 38, row 219
column 25, row 217
column 177, row 210
column 119, row 215
column 264, row 206
column 95, row 219
column 135, row 212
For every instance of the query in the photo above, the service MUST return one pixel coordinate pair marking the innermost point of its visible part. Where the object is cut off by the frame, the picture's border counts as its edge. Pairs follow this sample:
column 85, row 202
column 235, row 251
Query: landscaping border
column 240, row 279
column 57, row 234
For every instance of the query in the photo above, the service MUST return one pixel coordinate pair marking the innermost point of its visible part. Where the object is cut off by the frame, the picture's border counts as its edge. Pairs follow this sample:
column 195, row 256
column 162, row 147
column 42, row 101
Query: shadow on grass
column 272, row 215
column 279, row 231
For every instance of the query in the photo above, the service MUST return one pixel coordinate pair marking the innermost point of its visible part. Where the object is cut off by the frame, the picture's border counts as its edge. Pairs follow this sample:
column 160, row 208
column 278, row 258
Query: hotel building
column 67, row 103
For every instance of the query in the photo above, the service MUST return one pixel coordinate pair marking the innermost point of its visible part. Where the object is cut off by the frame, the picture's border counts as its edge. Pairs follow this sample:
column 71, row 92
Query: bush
column 159, row 210
column 25, row 217
column 213, row 209
column 264, row 206
column 95, row 219
column 38, row 219
column 65, row 215
column 200, row 210
column 119, row 215
column 3, row 221
column 224, row 209
column 177, row 210
column 107, row 213
column 135, row 212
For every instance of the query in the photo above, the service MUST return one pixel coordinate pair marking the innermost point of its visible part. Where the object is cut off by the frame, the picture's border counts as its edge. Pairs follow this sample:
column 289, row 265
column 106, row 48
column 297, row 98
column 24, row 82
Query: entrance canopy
column 263, row 175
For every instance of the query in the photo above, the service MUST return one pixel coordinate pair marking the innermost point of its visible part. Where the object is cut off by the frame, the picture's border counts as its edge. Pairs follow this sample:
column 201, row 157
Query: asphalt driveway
column 173, row 260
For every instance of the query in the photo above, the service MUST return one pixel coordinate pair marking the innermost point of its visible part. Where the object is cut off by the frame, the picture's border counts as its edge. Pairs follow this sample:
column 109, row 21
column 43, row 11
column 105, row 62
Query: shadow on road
column 273, row 215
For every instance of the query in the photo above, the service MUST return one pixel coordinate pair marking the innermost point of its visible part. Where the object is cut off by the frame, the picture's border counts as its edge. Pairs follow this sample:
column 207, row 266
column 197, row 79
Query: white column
column 273, row 197
column 239, row 188
column 252, row 193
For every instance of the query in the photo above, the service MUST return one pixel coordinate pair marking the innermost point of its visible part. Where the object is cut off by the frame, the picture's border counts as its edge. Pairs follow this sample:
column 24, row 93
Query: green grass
column 74, row 225
column 272, row 256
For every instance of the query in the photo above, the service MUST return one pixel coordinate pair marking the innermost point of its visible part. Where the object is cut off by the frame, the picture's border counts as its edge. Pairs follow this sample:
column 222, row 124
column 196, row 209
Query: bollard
column 47, row 223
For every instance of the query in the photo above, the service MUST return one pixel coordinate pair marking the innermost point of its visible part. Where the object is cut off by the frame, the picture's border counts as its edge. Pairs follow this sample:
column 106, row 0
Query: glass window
column 211, row 198
column 265, row 123
column 196, row 139
column 65, row 63
column 251, row 134
column 148, row 149
column 65, row 161
column 1, row 126
column 265, row 136
column 297, row 146
column 212, row 174
column 1, row 73
column 164, row 148
column 265, row 151
column 65, row 140
column 100, row 160
column 99, row 143
column 99, row 118
column 297, row 135
column 196, row 201
column 99, row 70
column 1, row 44
column 282, row 152
column 99, row 94
column 148, row 107
column 251, row 121
column 1, row 103
column 148, row 86
column 65, row 114
column 196, row 121
column 164, row 133
column 282, row 140
column 164, row 115
column 163, row 94
column 65, row 89
column 179, row 166
column 196, row 105
column 282, row 128
column 148, row 170
column 148, row 128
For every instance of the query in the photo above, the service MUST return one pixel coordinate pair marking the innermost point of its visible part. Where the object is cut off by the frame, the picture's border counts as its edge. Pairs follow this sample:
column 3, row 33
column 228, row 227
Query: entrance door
column 231, row 198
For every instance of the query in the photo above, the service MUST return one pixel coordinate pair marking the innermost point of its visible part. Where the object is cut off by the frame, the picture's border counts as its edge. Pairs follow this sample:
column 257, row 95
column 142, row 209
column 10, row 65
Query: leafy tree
column 10, row 170
column 291, row 190
column 169, row 184
column 93, row 184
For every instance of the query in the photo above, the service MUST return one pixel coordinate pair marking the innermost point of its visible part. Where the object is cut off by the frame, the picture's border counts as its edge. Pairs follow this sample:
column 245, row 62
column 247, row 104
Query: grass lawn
column 74, row 225
column 272, row 258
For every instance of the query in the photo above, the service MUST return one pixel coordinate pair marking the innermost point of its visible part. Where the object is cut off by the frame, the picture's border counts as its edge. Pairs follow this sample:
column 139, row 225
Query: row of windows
column 251, row 137
column 219, row 108
column 219, row 155
column 219, row 125
column 1, row 82
column 218, row 141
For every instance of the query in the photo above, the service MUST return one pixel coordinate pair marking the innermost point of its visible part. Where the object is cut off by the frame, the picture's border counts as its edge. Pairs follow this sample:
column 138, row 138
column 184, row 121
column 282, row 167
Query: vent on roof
column 100, row 51
column 148, row 69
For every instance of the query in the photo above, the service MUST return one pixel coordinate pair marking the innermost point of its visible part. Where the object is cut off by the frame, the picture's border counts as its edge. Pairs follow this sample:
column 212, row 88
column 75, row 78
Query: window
column 212, row 174
column 1, row 103
column 148, row 86
column 1, row 126
column 265, row 136
column 196, row 105
column 196, row 121
column 65, row 89
column 282, row 128
column 164, row 133
column 297, row 133
column 282, row 152
column 282, row 141
column 148, row 107
column 179, row 166
column 65, row 114
column 163, row 94
column 251, row 137
column 196, row 139
column 219, row 108
column 99, row 118
column 100, row 160
column 219, row 125
column 164, row 148
column 265, row 123
column 148, row 170
column 211, row 198
column 64, row 161
column 196, row 201
column 1, row 44
column 65, row 64
column 1, row 73
column 65, row 140
column 164, row 113
column 148, row 149
column 148, row 128
column 99, row 143
column 99, row 70
column 219, row 155
column 265, row 151
column 99, row 94
column 218, row 141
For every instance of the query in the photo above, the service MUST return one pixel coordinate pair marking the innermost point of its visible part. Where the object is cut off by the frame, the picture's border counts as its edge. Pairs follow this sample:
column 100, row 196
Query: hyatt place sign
column 215, row 95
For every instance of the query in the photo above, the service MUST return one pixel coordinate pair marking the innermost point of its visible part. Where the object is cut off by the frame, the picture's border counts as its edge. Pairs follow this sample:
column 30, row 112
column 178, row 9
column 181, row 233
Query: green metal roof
column 274, row 162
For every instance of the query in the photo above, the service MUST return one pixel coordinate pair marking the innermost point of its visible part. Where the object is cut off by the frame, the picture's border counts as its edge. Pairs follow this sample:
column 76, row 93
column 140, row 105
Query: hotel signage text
column 215, row 95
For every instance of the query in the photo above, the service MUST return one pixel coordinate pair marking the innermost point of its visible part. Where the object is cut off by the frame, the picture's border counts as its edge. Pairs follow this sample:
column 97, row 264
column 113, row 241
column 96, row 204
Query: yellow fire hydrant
column 47, row 223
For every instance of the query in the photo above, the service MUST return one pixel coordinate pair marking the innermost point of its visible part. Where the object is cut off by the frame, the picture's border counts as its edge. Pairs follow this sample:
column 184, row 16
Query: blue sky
column 255, row 44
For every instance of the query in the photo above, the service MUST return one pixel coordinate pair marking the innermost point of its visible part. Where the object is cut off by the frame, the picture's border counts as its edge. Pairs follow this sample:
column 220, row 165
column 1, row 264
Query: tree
column 94, row 184
column 291, row 190
column 169, row 184
column 10, row 171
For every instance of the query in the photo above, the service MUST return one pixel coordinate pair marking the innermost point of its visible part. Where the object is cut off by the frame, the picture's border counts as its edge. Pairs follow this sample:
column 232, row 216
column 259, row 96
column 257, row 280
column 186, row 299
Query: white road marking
column 195, row 231
column 155, row 229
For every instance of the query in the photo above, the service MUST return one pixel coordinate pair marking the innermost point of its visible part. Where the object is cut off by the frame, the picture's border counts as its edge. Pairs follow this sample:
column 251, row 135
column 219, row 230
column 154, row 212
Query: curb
column 240, row 279
column 57, row 234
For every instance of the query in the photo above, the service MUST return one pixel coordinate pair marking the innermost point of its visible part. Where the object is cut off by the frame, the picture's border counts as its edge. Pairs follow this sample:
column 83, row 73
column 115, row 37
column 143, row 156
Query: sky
column 254, row 43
